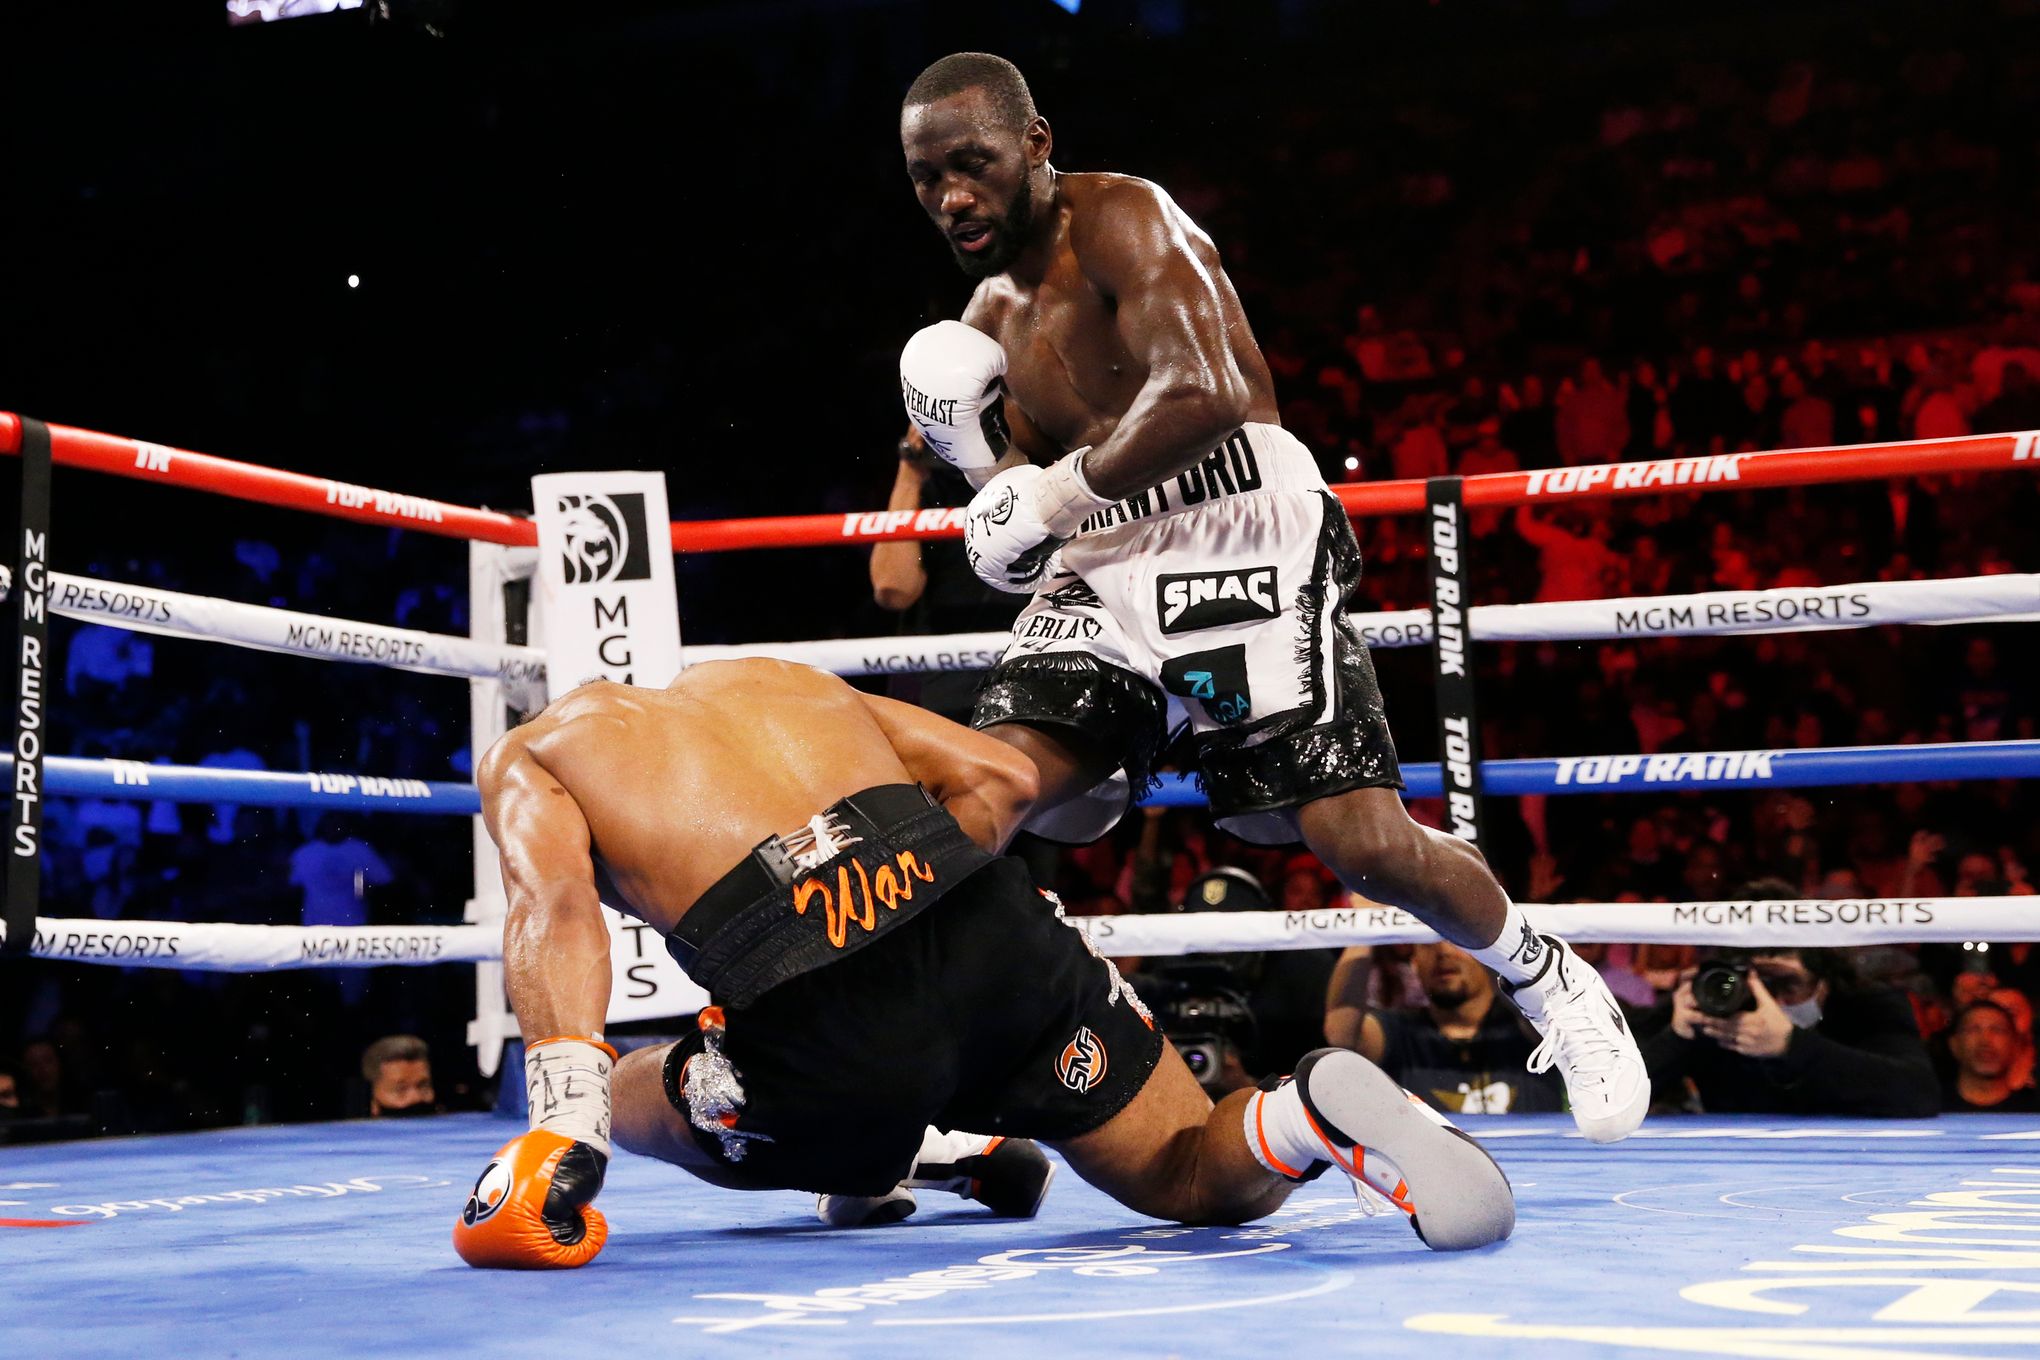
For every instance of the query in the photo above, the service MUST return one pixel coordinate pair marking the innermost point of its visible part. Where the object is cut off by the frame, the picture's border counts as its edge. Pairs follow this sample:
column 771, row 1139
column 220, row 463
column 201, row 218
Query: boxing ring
column 1721, row 1236
column 1808, row 1240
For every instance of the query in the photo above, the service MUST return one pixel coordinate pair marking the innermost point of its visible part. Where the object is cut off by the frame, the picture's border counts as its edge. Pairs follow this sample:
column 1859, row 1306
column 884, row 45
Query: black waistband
column 768, row 920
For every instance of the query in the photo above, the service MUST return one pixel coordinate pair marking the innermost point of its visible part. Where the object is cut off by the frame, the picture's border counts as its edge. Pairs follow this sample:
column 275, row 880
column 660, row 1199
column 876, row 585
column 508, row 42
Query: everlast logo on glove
column 941, row 410
column 605, row 538
column 1191, row 601
column 1217, row 679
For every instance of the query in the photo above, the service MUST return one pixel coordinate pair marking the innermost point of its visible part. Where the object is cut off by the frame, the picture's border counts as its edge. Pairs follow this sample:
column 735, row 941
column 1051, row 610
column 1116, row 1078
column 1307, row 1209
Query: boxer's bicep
column 555, row 943
column 541, row 834
column 1163, row 287
column 945, row 756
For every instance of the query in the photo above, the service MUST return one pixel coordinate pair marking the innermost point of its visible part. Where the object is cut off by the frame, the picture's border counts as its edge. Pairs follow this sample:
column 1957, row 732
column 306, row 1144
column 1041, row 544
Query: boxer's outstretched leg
column 1377, row 850
column 1172, row 1154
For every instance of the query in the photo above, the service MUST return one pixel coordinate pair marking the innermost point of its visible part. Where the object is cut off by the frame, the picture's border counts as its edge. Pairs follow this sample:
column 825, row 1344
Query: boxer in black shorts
column 825, row 863
column 984, row 1012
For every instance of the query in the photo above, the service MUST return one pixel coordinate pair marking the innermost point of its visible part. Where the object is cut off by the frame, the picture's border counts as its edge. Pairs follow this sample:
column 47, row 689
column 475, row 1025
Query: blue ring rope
column 1713, row 770
column 78, row 777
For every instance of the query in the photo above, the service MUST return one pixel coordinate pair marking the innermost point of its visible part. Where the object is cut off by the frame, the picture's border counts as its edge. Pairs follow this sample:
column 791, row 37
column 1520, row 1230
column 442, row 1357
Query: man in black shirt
column 1812, row 1043
column 931, row 586
column 1463, row 1051
column 1985, row 1045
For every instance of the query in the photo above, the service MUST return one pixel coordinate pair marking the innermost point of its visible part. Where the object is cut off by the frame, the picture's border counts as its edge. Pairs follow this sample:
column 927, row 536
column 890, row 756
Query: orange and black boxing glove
column 531, row 1208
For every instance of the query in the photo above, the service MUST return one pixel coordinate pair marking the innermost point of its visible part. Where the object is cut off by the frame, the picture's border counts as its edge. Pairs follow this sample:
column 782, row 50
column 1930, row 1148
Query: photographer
column 1787, row 1031
column 1462, row 1051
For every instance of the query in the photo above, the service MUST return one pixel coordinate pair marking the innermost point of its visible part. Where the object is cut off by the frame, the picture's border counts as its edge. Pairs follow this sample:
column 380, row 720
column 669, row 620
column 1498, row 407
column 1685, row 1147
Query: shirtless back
column 677, row 785
column 978, row 1009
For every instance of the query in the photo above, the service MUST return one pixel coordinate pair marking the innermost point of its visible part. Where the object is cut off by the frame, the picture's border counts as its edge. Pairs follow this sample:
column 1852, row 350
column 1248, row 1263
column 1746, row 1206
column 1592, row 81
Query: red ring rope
column 1708, row 472
column 147, row 462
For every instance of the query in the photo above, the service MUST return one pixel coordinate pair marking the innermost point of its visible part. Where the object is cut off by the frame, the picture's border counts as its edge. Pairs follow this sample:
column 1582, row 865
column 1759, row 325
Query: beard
column 1009, row 236
column 1450, row 993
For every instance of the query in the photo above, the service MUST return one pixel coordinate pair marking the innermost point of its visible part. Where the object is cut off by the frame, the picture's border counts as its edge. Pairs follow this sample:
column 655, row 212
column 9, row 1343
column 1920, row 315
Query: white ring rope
column 213, row 948
column 1811, row 921
column 1726, row 613
column 169, row 613
column 1867, row 604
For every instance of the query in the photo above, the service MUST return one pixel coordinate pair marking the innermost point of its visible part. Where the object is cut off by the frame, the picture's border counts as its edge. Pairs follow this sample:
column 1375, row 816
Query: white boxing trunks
column 1216, row 601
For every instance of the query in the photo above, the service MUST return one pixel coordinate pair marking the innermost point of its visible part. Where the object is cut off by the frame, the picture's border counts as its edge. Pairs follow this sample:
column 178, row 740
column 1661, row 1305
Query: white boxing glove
column 951, row 380
column 1014, row 525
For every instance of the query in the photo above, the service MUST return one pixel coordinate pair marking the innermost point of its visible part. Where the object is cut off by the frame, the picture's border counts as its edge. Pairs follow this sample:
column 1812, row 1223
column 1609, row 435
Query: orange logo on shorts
column 1082, row 1064
column 857, row 900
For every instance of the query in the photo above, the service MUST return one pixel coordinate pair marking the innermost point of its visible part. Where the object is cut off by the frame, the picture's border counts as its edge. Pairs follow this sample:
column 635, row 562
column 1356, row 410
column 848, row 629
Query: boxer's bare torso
column 1069, row 369
column 676, row 786
column 1072, row 369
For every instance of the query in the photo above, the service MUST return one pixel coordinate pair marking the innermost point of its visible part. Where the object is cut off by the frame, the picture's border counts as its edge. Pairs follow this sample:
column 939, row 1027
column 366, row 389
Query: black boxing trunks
column 987, row 1012
column 864, row 867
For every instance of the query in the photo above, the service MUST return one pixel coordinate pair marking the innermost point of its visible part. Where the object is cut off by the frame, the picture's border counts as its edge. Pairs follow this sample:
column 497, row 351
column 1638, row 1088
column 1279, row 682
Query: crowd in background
column 1723, row 256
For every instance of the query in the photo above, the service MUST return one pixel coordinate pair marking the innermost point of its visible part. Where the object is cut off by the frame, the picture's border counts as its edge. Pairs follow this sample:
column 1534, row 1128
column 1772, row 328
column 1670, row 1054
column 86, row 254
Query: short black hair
column 392, row 1048
column 1831, row 966
column 960, row 71
column 1985, row 1004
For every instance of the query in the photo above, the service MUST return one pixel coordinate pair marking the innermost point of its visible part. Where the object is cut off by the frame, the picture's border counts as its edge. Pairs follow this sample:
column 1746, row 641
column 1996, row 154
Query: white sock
column 1518, row 954
column 1278, row 1132
column 943, row 1150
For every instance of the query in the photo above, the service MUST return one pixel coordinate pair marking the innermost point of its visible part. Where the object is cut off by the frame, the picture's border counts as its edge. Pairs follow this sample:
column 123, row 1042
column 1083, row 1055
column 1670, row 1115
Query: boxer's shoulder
column 1121, row 220
column 1101, row 203
column 991, row 305
column 565, row 722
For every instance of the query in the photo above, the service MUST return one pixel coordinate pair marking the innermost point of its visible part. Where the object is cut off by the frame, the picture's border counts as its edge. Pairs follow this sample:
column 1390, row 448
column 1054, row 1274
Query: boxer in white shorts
column 1222, row 590
column 1105, row 394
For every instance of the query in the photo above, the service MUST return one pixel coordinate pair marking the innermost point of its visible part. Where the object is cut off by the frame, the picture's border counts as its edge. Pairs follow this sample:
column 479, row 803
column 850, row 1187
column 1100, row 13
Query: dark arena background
column 1712, row 331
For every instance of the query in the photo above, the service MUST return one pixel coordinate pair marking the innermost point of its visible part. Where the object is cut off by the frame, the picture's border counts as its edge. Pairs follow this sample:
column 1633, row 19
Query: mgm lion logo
column 605, row 538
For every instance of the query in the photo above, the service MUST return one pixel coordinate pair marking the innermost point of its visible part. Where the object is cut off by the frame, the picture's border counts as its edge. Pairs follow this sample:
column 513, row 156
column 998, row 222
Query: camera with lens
column 1721, row 988
column 1205, row 1016
column 1200, row 1000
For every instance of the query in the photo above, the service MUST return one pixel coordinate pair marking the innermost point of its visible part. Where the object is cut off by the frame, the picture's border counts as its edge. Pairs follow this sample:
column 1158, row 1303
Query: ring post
column 1452, row 663
column 24, row 841
column 499, row 581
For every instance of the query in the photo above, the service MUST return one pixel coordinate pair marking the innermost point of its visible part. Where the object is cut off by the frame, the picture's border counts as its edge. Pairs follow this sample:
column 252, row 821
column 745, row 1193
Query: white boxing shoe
column 1009, row 1176
column 1588, row 1040
column 1454, row 1194
column 866, row 1211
